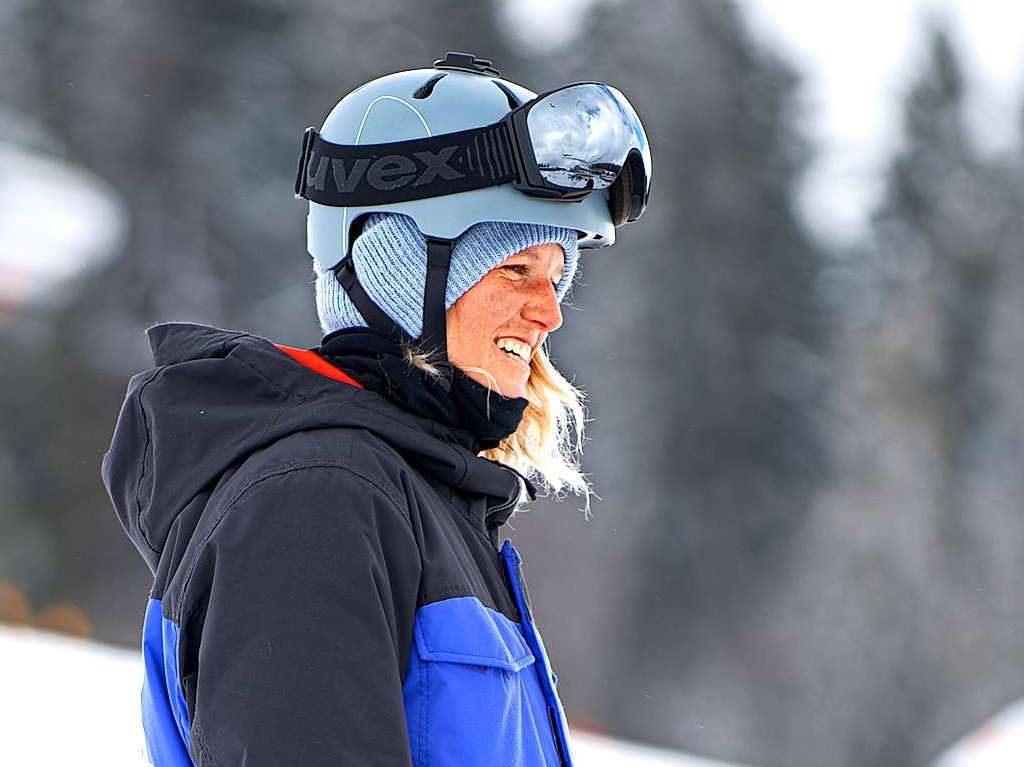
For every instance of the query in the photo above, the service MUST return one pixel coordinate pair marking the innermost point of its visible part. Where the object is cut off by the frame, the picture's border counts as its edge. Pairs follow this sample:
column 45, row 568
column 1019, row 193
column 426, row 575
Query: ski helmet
column 457, row 145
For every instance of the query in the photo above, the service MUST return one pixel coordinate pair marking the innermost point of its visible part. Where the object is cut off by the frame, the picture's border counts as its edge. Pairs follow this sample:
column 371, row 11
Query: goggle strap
column 343, row 175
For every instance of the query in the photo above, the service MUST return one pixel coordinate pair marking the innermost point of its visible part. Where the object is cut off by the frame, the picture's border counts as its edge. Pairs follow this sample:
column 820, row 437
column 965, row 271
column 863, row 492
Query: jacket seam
column 145, row 451
column 270, row 474
column 425, row 721
column 196, row 737
column 453, row 592
column 281, row 412
column 270, row 382
column 234, row 337
column 476, row 525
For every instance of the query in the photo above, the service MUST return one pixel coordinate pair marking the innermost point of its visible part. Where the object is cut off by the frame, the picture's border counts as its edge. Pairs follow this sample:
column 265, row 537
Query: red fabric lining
column 318, row 364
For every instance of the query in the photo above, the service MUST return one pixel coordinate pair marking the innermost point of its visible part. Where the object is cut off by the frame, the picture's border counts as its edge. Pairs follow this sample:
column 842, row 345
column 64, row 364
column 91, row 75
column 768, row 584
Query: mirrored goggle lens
column 582, row 134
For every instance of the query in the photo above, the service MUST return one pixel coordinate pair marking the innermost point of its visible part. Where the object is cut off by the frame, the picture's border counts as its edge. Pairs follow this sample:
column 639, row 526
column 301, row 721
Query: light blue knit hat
column 390, row 257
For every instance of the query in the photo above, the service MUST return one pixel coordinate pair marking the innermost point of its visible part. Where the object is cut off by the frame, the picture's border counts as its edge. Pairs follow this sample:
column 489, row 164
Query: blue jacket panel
column 164, row 712
column 473, row 692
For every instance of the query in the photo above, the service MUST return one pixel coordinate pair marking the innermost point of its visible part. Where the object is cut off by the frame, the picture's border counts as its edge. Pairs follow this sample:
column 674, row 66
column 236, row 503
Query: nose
column 543, row 308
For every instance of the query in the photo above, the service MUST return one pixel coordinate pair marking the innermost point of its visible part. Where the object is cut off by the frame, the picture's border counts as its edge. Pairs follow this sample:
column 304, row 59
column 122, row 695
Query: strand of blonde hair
column 548, row 444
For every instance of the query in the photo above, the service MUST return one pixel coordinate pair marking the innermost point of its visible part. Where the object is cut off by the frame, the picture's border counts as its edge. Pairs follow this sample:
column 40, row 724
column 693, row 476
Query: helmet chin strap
column 433, row 340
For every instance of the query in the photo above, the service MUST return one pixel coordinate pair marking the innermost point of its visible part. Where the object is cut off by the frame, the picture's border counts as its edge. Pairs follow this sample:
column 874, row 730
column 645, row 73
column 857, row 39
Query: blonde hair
column 548, row 444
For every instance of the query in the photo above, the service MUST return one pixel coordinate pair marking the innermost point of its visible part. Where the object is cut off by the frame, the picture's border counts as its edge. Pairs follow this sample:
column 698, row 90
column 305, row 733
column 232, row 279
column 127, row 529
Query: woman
column 323, row 525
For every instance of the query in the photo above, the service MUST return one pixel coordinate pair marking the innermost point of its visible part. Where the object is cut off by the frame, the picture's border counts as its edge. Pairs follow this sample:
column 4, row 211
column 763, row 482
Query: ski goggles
column 562, row 145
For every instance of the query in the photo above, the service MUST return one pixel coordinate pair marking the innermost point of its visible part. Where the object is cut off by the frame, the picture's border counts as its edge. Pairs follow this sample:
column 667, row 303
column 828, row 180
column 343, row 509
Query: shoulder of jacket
column 313, row 495
column 317, row 475
column 359, row 452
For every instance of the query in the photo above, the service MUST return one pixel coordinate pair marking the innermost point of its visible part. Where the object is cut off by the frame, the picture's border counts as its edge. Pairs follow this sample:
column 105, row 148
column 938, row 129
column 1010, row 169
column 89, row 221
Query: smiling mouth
column 515, row 349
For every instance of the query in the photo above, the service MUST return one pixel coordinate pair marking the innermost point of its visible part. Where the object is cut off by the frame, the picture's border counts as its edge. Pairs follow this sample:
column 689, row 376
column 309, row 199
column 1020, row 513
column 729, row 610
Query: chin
column 509, row 377
column 514, row 385
column 513, row 390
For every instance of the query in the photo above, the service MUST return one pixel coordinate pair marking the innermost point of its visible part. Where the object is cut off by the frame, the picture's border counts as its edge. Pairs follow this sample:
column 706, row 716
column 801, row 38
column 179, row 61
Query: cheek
column 474, row 320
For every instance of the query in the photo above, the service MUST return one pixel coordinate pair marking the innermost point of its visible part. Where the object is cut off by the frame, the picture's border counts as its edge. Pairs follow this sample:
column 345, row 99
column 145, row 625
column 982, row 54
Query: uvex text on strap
column 378, row 174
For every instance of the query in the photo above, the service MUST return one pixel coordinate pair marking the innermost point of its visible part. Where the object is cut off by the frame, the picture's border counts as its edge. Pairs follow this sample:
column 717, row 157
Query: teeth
column 515, row 347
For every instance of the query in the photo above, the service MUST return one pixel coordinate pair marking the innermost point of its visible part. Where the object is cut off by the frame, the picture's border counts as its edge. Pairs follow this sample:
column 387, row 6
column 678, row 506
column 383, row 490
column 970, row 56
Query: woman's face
column 500, row 323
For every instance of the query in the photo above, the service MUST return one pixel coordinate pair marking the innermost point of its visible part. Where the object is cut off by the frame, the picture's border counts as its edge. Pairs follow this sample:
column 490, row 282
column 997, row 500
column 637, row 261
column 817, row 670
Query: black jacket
column 328, row 584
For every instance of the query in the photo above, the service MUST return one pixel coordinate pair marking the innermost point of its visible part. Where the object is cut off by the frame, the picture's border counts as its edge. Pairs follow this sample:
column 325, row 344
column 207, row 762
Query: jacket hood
column 215, row 396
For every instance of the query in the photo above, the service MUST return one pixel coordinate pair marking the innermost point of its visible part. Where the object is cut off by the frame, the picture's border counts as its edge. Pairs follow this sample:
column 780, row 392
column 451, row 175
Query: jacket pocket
column 472, row 691
column 462, row 630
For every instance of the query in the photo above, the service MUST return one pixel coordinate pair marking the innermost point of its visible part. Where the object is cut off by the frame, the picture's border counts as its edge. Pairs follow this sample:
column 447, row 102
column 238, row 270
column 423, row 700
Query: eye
column 520, row 269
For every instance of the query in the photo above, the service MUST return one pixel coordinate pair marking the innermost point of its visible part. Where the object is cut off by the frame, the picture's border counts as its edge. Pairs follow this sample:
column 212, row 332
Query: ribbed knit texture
column 390, row 257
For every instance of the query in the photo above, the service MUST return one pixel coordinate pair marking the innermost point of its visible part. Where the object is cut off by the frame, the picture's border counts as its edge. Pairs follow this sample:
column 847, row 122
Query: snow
column 68, row 701
column 596, row 751
column 72, row 701
column 997, row 742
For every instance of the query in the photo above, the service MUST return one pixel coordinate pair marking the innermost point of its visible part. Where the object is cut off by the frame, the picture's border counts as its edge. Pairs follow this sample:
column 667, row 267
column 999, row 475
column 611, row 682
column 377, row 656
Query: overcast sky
column 852, row 95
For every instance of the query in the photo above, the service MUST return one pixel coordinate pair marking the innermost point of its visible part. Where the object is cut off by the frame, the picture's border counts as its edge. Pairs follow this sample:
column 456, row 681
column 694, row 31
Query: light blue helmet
column 459, row 93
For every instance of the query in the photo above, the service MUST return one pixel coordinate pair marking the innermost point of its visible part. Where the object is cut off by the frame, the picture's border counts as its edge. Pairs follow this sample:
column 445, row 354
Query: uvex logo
column 384, row 173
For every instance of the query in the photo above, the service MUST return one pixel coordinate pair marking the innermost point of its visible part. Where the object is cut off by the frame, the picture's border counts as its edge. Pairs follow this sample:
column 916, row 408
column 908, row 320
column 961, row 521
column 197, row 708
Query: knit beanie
column 390, row 257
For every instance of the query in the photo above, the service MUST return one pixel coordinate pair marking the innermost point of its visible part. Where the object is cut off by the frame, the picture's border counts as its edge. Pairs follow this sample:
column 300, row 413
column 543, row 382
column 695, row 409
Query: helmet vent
column 427, row 88
column 513, row 102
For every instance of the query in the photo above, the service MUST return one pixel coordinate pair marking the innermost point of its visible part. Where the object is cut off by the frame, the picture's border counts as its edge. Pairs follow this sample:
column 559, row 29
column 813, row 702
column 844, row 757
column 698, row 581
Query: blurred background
column 803, row 364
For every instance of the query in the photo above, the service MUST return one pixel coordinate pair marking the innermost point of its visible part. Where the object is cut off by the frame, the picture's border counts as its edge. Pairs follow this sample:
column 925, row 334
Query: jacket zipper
column 514, row 572
column 552, row 720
